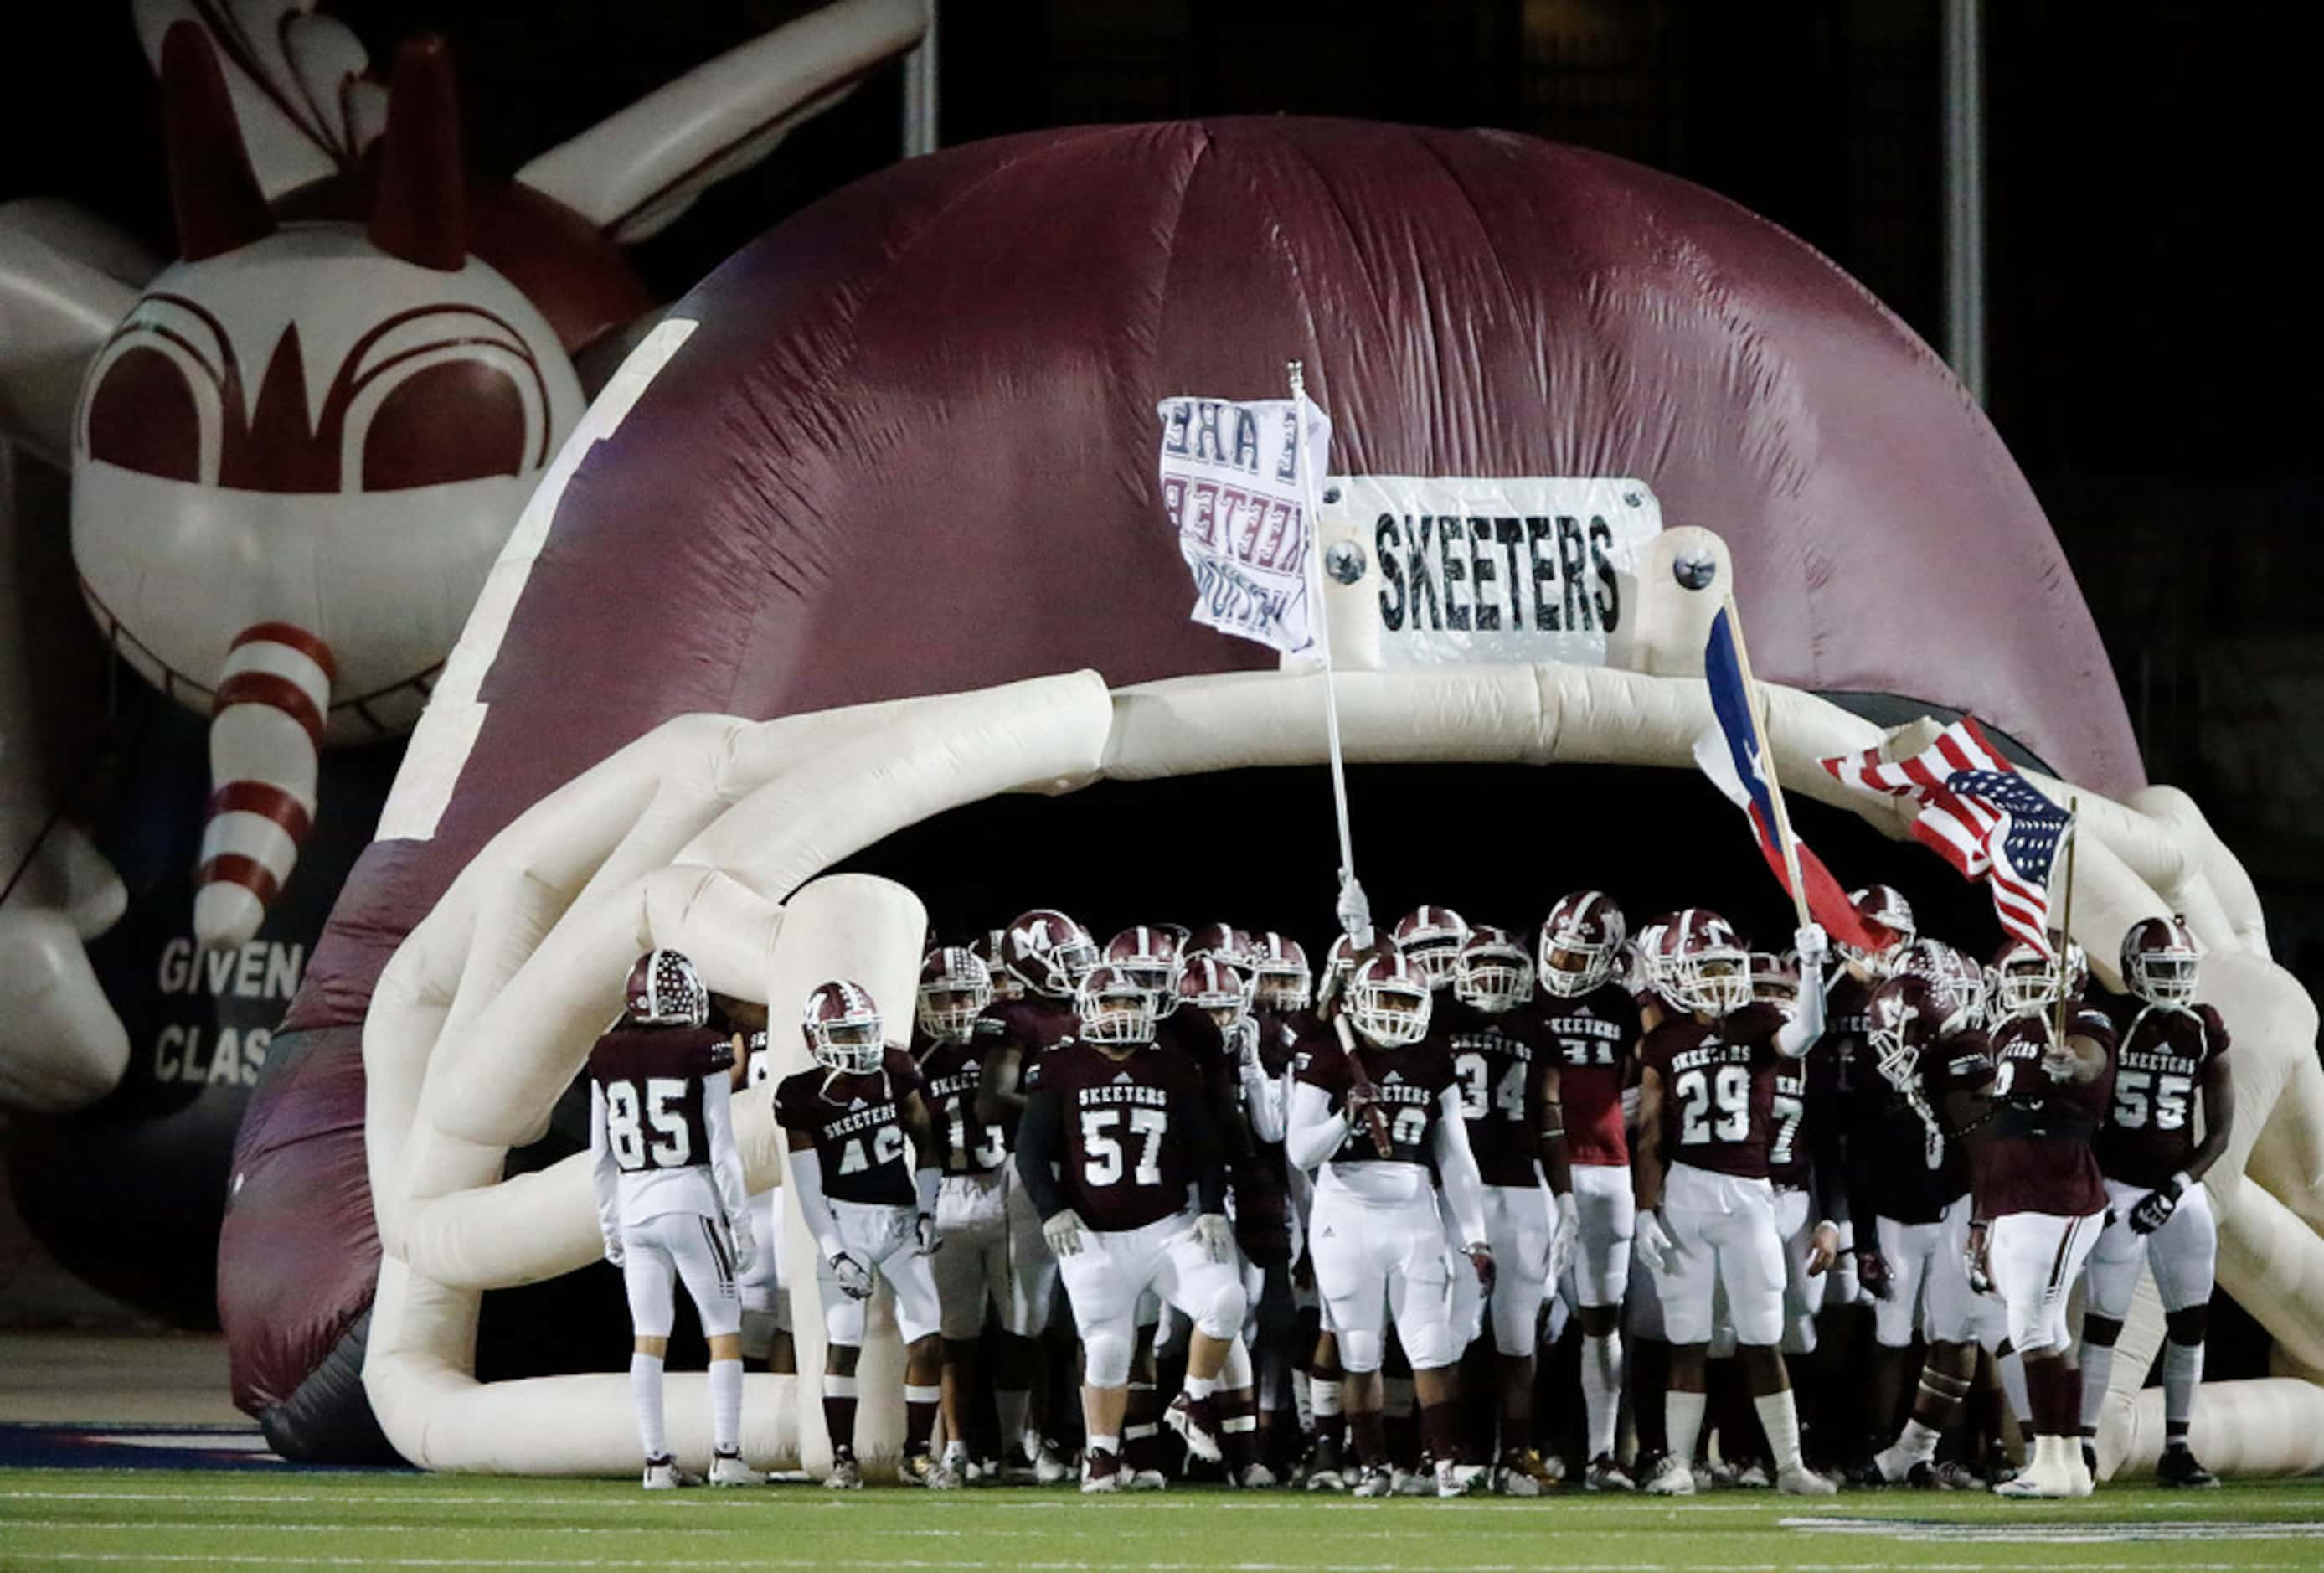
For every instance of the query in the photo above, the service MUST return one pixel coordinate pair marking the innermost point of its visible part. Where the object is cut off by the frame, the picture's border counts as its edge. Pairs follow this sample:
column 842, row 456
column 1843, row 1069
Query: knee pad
column 1360, row 1352
column 1105, row 1355
column 1222, row 1318
column 2190, row 1326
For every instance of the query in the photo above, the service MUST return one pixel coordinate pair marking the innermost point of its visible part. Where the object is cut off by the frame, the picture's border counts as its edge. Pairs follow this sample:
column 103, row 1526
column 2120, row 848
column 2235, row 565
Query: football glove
column 1978, row 1258
column 1872, row 1271
column 2154, row 1209
column 854, row 1278
column 1481, row 1257
column 614, row 1249
column 1063, row 1233
column 1813, row 945
column 1215, row 1236
column 926, row 1239
column 1653, row 1244
column 746, row 1245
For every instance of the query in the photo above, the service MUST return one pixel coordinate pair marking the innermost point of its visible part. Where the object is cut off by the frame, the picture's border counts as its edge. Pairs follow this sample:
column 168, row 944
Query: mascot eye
column 456, row 420
column 143, row 418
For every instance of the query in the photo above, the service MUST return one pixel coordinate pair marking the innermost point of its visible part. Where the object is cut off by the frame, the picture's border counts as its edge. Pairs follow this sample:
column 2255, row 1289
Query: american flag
column 1980, row 816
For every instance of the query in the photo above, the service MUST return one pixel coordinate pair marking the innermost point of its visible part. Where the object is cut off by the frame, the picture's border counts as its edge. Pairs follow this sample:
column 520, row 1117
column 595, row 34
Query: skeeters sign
column 1497, row 569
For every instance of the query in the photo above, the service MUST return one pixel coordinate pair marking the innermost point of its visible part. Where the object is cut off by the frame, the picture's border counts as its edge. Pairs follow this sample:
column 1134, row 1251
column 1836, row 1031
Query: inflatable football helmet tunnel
column 851, row 606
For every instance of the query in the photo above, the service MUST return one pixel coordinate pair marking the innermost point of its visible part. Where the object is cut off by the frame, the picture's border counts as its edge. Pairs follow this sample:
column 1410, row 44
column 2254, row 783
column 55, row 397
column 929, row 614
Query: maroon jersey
column 1719, row 1088
column 857, row 1125
column 1788, row 1165
column 2150, row 1131
column 1126, row 1162
column 1590, row 1038
column 1407, row 1084
column 651, row 1078
column 1033, row 1026
column 1279, row 1036
column 1889, row 1142
column 2037, row 1157
column 950, row 1072
column 1499, row 1063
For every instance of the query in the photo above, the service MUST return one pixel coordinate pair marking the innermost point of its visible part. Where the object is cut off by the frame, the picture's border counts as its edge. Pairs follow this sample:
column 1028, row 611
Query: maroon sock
column 2070, row 1398
column 1238, row 1427
column 1368, row 1433
column 839, row 1421
column 1440, row 1432
column 1141, row 1429
column 2045, row 1396
column 919, row 1424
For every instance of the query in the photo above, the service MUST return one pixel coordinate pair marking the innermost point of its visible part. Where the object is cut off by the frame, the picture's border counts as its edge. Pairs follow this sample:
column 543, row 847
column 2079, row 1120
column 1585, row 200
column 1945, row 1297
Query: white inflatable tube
column 707, row 833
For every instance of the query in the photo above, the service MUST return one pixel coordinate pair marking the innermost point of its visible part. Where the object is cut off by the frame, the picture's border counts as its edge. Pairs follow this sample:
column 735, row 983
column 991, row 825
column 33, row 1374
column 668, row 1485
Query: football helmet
column 1905, row 1017
column 1431, row 938
column 1775, row 978
column 1580, row 943
column 1006, row 985
column 1049, row 952
column 2159, row 961
column 1113, row 1006
column 1280, row 980
column 1388, row 999
column 955, row 989
column 665, row 991
column 1340, row 964
column 1492, row 972
column 1149, row 953
column 841, row 1025
column 1215, row 988
column 1644, row 954
column 1703, row 964
column 2022, row 979
column 1885, row 907
column 1957, row 984
column 1224, row 941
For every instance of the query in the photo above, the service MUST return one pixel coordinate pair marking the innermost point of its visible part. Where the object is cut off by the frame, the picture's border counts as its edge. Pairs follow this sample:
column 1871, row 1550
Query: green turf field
column 154, row 1518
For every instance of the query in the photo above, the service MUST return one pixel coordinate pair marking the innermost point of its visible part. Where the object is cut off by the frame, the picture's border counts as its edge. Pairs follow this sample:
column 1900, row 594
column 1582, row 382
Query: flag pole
column 1775, row 784
column 2066, row 924
column 1320, row 624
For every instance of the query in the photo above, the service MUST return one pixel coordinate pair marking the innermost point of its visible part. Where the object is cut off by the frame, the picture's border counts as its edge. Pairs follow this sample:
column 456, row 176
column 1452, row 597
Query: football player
column 1505, row 1071
column 1910, row 1123
column 670, row 1199
column 1272, row 1233
column 2174, row 1053
column 2041, row 1200
column 1706, row 1211
column 1592, row 1025
column 1374, row 1118
column 862, row 1159
column 992, row 1255
column 1431, row 937
column 1120, row 1154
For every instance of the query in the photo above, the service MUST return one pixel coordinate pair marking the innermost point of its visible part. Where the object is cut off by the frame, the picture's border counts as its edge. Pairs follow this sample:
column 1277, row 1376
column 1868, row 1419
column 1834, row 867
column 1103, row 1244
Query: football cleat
column 1420, row 1482
column 1255, row 1477
column 1605, row 1475
column 728, row 1469
column 1100, row 1472
column 1705, row 1477
column 1524, row 1474
column 1951, row 1476
column 663, row 1474
column 2048, row 1475
column 1196, row 1423
column 1803, row 1481
column 1754, row 1476
column 1144, row 1480
column 1375, row 1481
column 1323, row 1469
column 935, row 1474
column 1049, row 1468
column 2178, row 1466
column 1670, row 1477
column 1461, row 1479
column 845, row 1474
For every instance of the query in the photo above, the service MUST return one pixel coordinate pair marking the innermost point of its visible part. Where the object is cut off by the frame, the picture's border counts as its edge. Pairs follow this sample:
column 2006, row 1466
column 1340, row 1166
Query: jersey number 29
column 1727, row 1093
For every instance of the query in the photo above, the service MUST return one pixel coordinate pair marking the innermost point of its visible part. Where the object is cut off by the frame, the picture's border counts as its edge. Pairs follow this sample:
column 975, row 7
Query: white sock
column 1918, row 1442
column 1601, row 1390
column 2182, row 1370
column 787, row 1420
column 955, row 1450
column 1103, row 1444
column 1303, row 1401
column 1011, row 1404
column 1324, row 1397
column 1779, row 1417
column 1682, row 1417
column 1201, row 1387
column 645, row 1397
column 2098, row 1363
column 726, row 1405
column 2013, row 1384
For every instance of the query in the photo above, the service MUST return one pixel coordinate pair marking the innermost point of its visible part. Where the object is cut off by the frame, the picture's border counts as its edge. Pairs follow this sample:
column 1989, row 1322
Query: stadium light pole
column 1964, row 155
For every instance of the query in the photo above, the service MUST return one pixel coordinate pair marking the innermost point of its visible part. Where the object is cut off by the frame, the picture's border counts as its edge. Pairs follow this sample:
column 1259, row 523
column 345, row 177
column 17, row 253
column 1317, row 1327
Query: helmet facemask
column 1715, row 980
column 1114, row 1010
column 1390, row 1014
column 850, row 1046
column 1494, row 978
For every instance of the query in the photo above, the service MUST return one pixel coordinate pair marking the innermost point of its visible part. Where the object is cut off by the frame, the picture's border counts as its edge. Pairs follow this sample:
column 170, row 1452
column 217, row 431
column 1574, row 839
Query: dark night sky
column 2151, row 373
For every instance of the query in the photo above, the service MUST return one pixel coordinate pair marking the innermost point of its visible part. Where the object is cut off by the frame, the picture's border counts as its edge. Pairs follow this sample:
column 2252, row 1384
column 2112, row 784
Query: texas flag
column 1730, row 754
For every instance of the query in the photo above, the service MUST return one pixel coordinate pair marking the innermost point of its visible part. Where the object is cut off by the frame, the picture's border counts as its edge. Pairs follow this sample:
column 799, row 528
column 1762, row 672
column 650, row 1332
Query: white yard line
column 1053, row 1566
